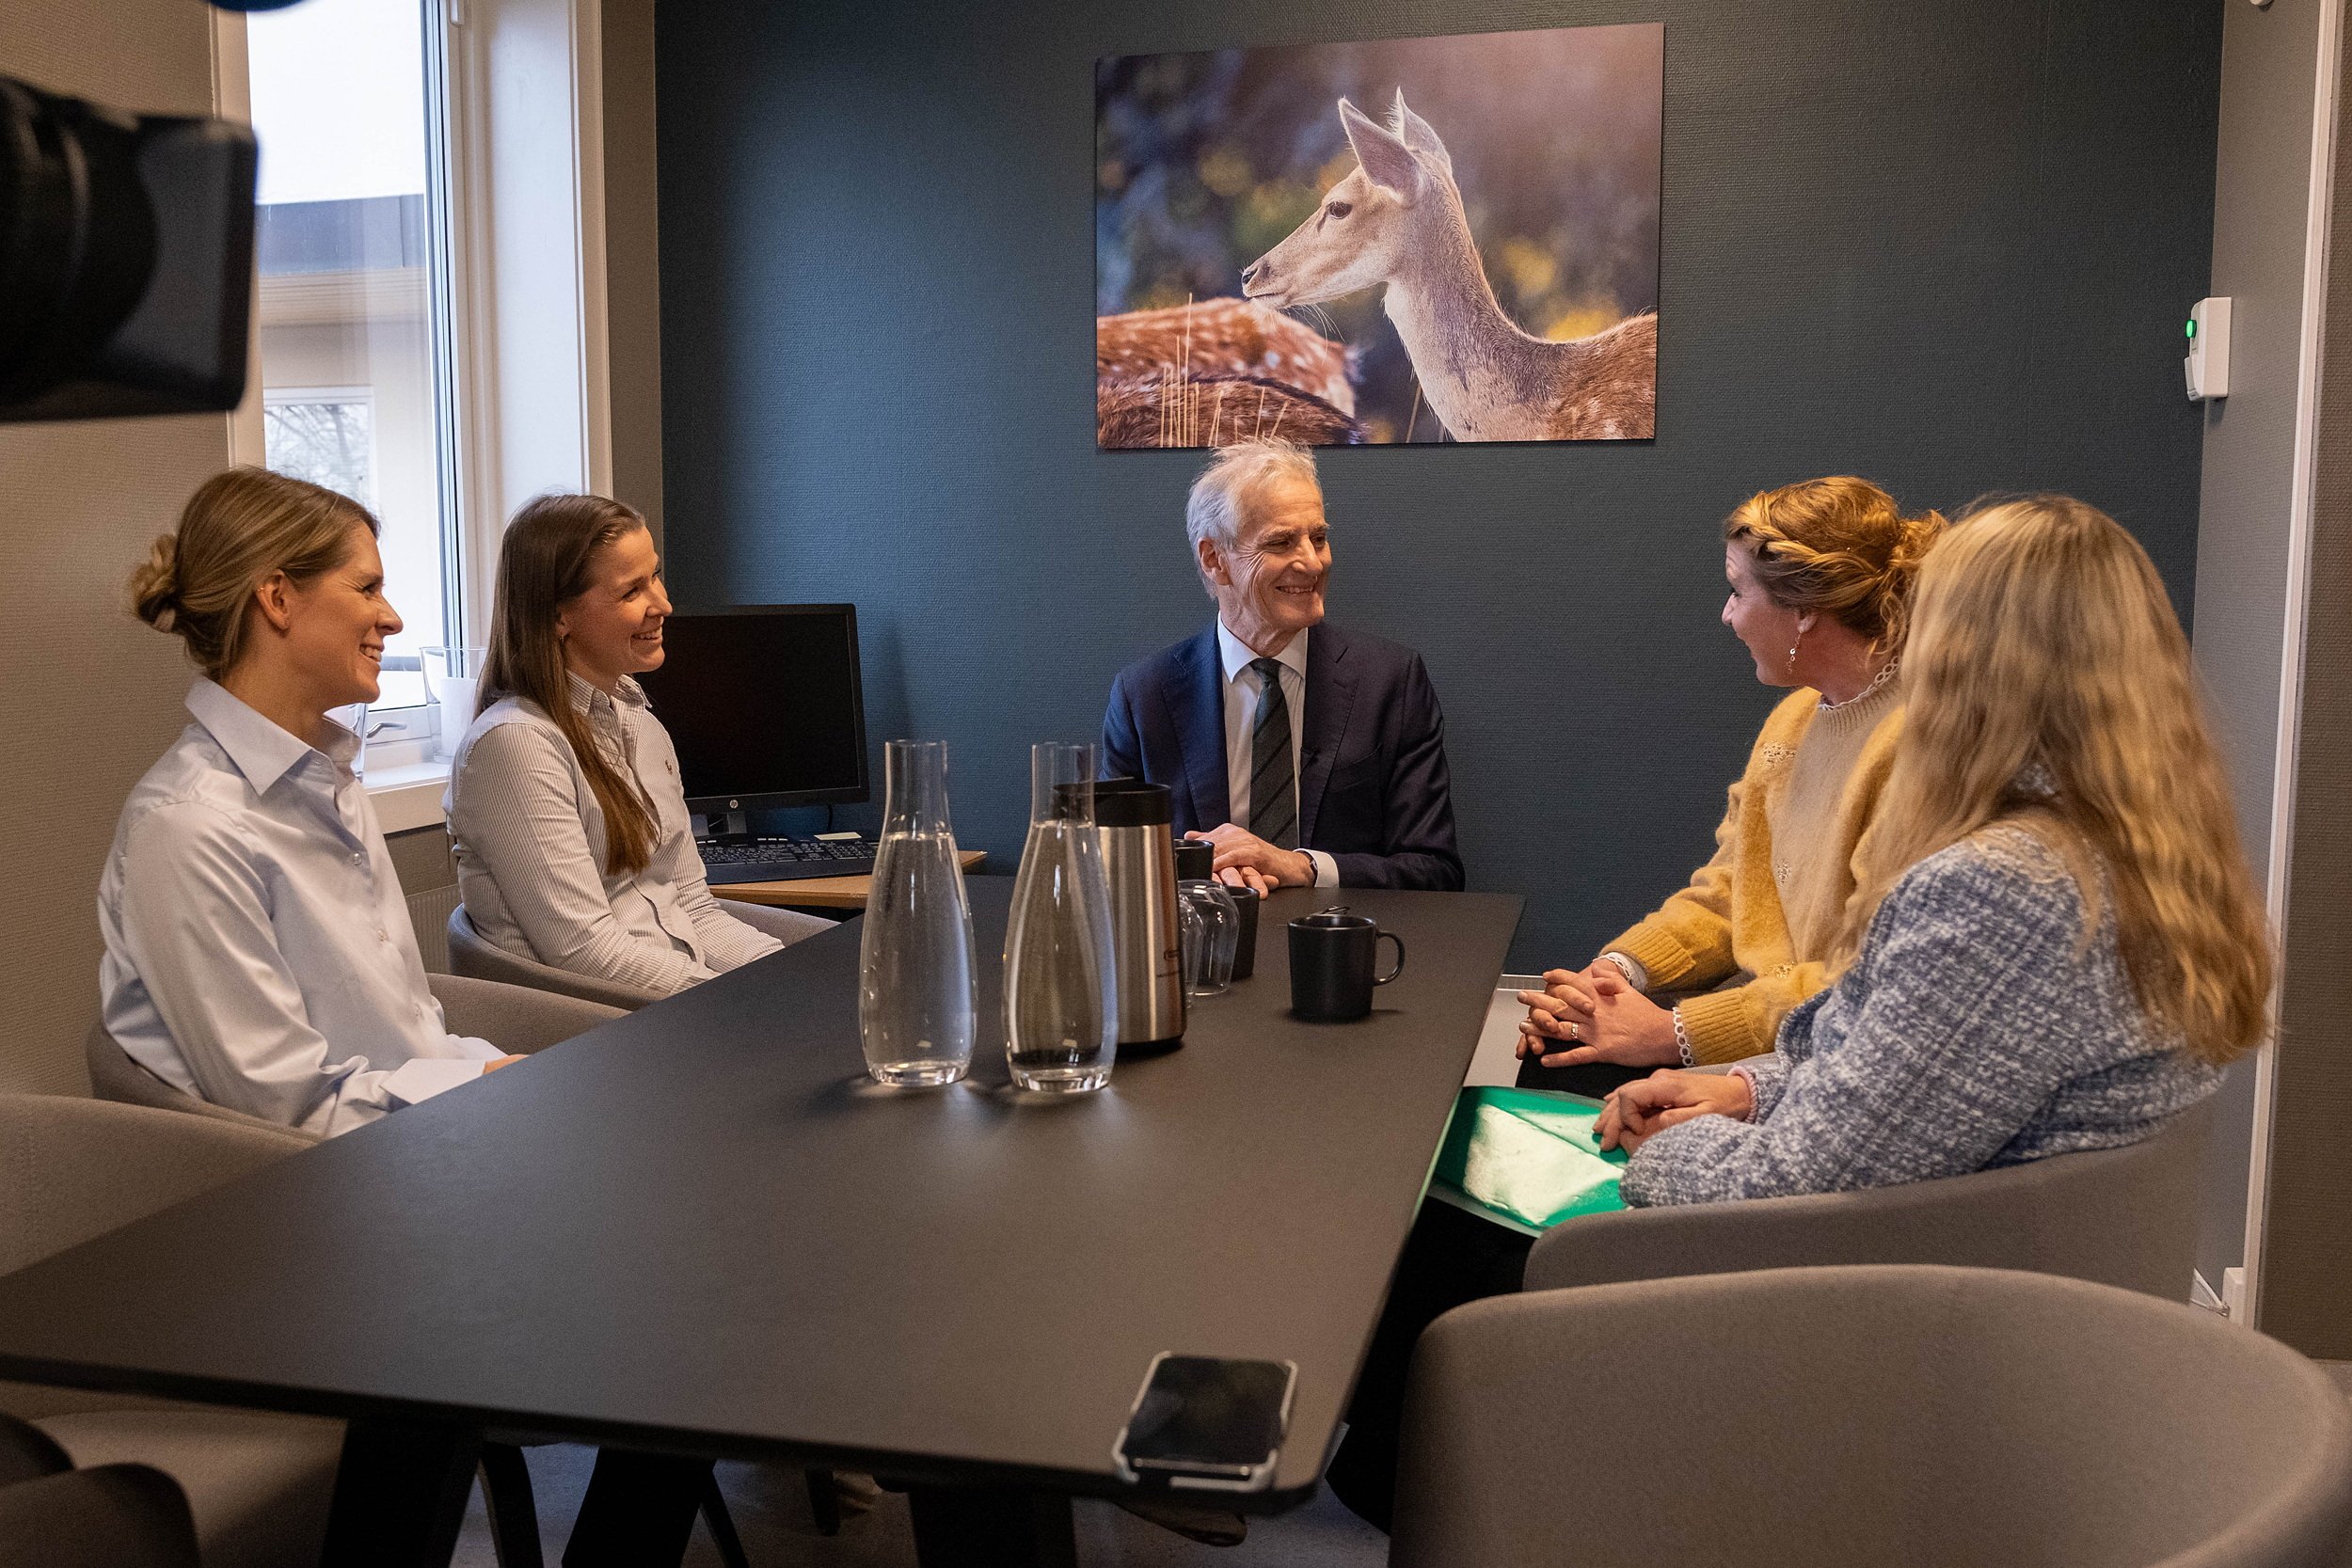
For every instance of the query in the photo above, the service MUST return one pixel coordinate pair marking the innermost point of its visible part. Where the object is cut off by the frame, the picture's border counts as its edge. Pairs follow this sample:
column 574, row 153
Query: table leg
column 400, row 1494
column 957, row 1527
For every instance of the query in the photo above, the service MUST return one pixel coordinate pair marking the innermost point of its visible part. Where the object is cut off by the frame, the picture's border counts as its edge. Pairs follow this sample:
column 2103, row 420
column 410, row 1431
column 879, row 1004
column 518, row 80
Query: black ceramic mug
column 1332, row 959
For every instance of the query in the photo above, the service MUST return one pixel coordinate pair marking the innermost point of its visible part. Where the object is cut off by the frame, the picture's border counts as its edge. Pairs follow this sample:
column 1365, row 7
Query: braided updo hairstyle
column 239, row 528
column 1838, row 547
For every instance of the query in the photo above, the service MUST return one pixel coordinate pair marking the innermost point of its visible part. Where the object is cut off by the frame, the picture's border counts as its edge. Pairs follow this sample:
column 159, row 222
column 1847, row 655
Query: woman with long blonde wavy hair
column 2055, row 942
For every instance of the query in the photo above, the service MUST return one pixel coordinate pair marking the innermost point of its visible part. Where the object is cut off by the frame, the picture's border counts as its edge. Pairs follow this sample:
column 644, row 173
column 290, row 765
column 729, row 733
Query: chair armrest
column 515, row 1018
column 112, row 1516
column 82, row 1167
column 787, row 925
column 2118, row 1216
column 27, row 1453
column 115, row 1075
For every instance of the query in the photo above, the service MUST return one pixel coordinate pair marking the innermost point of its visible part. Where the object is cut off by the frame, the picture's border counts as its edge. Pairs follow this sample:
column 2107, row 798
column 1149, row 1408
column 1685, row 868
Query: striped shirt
column 530, row 841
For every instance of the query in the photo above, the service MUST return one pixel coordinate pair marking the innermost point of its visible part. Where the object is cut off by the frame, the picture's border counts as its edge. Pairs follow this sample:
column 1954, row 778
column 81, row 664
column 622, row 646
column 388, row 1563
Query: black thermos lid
column 1195, row 860
column 1132, row 803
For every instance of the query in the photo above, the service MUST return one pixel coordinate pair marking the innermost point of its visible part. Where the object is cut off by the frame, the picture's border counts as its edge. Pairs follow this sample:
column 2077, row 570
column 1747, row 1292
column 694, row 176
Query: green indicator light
column 2192, row 327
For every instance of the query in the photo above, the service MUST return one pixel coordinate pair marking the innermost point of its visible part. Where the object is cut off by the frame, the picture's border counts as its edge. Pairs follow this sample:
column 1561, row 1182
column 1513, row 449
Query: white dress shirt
column 530, row 840
column 259, row 953
column 1242, row 690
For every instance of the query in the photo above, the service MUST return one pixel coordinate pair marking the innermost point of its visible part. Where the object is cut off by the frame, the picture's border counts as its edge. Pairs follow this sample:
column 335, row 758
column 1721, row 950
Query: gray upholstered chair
column 472, row 954
column 258, row 1485
column 2119, row 1216
column 510, row 1016
column 1865, row 1417
column 113, row 1516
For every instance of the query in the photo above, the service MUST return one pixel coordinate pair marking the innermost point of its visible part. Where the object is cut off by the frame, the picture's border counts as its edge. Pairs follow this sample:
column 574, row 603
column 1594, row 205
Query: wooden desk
column 700, row 1230
column 821, row 892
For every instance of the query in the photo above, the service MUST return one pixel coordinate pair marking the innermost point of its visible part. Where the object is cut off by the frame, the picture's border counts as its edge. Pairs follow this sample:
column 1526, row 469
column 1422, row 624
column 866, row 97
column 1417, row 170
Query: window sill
column 407, row 797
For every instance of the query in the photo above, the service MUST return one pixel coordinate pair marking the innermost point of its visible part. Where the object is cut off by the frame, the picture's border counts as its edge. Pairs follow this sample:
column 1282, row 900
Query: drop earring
column 1792, row 651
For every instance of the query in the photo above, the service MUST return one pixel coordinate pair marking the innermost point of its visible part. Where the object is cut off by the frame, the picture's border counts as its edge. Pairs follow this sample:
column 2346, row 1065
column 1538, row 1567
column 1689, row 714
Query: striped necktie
column 1273, row 782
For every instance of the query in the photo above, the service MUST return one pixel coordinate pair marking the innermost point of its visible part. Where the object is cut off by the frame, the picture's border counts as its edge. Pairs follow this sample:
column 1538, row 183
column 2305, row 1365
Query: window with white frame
column 431, row 327
column 349, row 99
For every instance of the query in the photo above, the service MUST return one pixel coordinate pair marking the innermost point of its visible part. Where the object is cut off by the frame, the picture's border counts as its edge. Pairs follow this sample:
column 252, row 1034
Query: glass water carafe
column 915, row 1002
column 1061, row 1032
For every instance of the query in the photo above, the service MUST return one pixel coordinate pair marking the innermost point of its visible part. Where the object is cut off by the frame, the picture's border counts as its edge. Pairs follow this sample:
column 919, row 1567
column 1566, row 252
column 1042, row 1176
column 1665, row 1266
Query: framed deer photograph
column 1413, row 240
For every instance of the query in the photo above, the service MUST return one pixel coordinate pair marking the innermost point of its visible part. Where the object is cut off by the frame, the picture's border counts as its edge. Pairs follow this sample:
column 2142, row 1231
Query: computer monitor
column 764, row 704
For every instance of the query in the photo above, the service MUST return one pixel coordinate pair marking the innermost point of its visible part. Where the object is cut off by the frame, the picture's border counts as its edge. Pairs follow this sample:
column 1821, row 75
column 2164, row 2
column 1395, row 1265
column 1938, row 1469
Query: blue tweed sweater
column 1974, row 1030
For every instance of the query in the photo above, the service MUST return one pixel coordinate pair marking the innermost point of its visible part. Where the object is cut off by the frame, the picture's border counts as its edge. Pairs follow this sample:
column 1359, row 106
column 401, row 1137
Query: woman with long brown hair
column 259, row 954
column 2055, row 944
column 566, row 810
column 1820, row 574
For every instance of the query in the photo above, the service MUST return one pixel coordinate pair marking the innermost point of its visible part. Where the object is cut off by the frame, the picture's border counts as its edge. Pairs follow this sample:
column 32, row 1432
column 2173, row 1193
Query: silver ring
column 1571, row 1029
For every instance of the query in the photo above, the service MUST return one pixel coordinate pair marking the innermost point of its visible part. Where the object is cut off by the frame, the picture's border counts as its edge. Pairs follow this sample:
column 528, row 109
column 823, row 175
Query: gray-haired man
column 1308, row 755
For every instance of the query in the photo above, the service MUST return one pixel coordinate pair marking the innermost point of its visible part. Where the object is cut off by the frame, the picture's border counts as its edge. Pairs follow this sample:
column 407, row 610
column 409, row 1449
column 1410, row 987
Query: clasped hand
column 1641, row 1110
column 1593, row 1015
column 1245, row 861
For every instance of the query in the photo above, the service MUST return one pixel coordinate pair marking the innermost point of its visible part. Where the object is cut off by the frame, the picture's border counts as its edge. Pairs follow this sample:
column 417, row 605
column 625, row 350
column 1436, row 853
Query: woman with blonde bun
column 1821, row 575
column 259, row 954
column 2055, row 944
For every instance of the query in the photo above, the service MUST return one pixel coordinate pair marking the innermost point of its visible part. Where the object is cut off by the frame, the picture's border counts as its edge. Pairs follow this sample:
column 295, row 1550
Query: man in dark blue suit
column 1308, row 755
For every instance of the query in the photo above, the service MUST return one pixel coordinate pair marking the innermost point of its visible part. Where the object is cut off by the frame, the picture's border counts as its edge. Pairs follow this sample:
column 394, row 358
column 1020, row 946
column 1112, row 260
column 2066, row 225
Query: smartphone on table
column 1207, row 1422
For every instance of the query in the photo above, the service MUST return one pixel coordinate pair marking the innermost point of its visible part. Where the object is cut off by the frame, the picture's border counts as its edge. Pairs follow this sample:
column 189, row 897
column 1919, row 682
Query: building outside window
column 349, row 101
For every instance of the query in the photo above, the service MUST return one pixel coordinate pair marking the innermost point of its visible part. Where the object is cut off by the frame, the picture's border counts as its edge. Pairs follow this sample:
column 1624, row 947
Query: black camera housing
column 126, row 260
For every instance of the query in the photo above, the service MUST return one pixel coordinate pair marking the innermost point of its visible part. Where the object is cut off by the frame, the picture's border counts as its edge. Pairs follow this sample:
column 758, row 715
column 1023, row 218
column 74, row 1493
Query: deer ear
column 1415, row 133
column 1388, row 162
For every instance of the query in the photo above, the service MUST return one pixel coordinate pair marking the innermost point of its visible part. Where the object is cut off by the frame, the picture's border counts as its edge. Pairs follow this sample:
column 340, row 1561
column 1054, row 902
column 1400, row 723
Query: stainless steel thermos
column 1139, row 862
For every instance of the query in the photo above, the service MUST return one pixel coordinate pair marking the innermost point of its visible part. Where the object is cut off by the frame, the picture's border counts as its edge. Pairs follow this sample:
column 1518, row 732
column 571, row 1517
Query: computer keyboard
column 783, row 859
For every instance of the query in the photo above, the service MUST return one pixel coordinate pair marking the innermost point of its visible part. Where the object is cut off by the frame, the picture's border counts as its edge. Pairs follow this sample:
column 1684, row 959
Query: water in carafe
column 917, row 1005
column 1060, row 1014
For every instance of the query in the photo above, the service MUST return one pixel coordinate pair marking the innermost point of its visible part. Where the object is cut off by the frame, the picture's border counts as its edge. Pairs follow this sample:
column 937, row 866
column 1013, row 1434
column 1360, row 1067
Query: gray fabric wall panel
column 2305, row 1293
column 2261, row 203
column 88, row 697
column 1946, row 246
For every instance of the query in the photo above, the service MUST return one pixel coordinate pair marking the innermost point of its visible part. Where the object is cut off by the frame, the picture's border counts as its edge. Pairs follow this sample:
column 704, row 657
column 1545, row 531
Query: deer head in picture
column 1372, row 225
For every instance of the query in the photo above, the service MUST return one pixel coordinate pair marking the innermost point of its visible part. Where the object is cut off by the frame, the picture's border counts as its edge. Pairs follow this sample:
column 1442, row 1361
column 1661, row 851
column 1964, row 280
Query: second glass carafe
column 1061, row 1032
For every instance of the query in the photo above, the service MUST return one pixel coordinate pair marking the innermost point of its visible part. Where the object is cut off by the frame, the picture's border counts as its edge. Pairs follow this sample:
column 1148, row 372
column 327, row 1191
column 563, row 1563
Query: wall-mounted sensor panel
column 2207, row 364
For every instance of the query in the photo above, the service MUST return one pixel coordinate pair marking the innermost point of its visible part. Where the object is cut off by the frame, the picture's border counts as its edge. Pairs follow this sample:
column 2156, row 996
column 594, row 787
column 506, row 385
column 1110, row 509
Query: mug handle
column 1391, row 936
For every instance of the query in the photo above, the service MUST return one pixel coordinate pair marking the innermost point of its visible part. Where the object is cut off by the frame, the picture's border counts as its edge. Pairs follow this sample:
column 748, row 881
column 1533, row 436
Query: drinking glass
column 452, row 682
column 917, row 1005
column 1061, row 1029
column 1212, row 932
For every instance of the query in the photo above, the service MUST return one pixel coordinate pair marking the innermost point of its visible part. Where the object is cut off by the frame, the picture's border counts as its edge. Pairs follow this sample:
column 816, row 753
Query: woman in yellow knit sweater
column 1821, row 577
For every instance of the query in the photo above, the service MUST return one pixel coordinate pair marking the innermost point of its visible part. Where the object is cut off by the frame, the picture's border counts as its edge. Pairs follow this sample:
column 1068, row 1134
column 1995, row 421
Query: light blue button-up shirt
column 259, row 953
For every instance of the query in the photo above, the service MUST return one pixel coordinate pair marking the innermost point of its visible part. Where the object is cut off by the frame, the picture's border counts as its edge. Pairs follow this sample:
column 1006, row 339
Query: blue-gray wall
column 1947, row 247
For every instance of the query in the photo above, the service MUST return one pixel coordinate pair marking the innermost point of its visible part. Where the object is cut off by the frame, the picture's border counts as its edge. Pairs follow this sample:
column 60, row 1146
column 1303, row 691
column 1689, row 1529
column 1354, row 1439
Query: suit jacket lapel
column 1331, row 695
column 1200, row 729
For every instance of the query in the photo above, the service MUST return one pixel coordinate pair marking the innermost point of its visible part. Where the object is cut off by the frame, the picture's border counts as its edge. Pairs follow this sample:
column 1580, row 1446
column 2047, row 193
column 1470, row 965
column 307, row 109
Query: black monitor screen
column 764, row 705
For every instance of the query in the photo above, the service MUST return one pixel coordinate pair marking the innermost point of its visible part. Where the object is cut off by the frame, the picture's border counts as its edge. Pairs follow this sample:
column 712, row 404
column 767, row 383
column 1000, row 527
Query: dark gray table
column 700, row 1230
